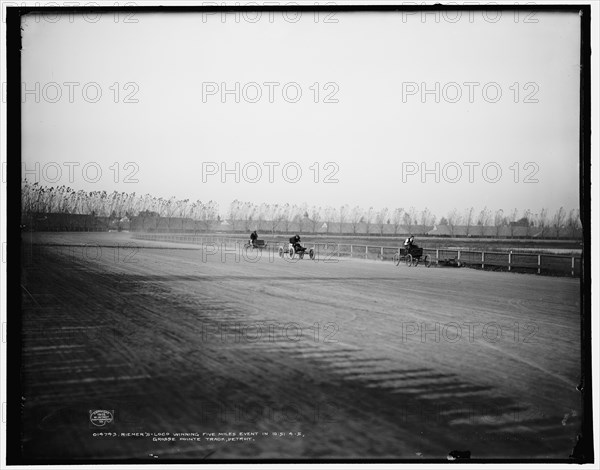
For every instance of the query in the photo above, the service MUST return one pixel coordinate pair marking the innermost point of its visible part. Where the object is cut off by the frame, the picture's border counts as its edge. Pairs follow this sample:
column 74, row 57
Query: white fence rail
column 540, row 263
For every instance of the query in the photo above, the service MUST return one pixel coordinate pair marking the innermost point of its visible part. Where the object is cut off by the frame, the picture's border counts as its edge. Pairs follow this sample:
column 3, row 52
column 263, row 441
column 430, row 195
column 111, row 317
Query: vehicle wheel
column 292, row 252
column 409, row 260
column 281, row 251
column 427, row 261
column 396, row 259
column 311, row 253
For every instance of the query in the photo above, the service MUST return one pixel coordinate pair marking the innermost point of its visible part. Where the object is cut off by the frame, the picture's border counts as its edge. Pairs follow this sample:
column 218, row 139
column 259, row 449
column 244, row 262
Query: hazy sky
column 377, row 132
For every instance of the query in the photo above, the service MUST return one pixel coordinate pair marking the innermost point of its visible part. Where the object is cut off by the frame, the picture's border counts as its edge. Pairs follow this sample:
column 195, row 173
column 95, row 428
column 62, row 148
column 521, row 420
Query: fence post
column 338, row 250
column 539, row 264
column 458, row 256
column 351, row 254
column 437, row 255
column 573, row 266
column 366, row 251
column 483, row 260
column 381, row 253
column 509, row 259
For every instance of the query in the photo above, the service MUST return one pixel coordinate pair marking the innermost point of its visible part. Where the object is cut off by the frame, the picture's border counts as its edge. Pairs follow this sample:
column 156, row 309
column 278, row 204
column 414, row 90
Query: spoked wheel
column 281, row 252
column 427, row 261
column 409, row 260
column 292, row 252
column 396, row 259
column 311, row 253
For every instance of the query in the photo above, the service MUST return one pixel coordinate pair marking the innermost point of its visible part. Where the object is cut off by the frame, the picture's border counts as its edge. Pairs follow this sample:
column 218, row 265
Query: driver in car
column 295, row 242
column 409, row 243
column 253, row 238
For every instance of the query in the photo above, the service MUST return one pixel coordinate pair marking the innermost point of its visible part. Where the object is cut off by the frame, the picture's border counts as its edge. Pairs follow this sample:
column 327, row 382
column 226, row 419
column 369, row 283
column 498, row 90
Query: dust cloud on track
column 327, row 359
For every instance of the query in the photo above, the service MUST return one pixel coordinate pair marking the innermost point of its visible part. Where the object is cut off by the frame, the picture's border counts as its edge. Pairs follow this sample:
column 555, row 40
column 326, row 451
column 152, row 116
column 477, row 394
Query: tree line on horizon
column 37, row 200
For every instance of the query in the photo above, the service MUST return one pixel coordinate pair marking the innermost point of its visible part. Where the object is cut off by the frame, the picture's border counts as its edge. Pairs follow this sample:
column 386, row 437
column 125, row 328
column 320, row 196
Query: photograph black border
column 583, row 451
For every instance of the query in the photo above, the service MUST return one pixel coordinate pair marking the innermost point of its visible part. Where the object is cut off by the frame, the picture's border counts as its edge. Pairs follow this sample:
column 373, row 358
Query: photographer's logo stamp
column 101, row 418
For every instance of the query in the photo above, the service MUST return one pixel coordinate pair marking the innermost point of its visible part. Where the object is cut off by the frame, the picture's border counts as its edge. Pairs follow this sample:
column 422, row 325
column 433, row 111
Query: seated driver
column 253, row 238
column 409, row 243
column 295, row 242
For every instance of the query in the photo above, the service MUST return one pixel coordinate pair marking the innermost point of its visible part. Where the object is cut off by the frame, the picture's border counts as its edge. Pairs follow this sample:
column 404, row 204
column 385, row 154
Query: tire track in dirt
column 384, row 397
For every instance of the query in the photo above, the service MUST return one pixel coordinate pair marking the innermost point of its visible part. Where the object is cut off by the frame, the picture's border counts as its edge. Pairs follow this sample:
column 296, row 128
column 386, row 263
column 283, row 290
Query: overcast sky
column 370, row 121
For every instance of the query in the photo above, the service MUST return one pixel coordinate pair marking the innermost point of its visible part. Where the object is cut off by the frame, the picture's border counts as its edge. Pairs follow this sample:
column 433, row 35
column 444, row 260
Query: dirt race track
column 356, row 359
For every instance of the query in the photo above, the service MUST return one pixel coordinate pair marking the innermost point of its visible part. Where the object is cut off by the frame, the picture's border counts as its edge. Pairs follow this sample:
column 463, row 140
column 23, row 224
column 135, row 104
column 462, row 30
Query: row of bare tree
column 36, row 199
column 245, row 215
column 242, row 215
column 278, row 217
column 542, row 221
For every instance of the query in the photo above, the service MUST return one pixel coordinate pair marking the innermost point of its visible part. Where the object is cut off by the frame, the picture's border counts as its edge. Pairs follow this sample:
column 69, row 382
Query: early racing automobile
column 412, row 256
column 292, row 251
column 257, row 245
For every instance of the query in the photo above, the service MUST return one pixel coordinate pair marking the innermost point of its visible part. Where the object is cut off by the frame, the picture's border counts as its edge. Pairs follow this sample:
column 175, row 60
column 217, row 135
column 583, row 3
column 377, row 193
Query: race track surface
column 356, row 359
